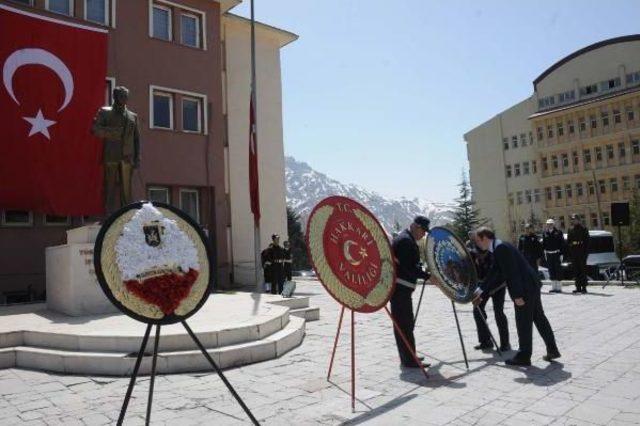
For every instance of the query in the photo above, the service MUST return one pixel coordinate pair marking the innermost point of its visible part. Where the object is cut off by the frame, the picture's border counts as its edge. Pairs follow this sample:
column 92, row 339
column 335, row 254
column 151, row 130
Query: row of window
column 189, row 202
column 562, row 160
column 562, row 221
column 167, row 20
column 562, row 128
column 515, row 142
column 527, row 168
column 589, row 90
column 191, row 108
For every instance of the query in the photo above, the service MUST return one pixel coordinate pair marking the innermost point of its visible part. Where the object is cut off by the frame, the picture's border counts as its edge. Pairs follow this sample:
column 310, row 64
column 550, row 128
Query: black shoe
column 576, row 291
column 518, row 361
column 505, row 348
column 414, row 365
column 584, row 290
column 420, row 358
column 550, row 356
column 483, row 346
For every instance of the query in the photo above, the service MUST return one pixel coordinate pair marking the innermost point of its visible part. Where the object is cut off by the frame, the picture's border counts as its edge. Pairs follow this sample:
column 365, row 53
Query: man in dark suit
column 408, row 270
column 524, row 289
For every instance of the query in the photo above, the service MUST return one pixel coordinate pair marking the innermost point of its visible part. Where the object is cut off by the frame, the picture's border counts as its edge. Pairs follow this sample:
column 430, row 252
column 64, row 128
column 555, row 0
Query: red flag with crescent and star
column 53, row 82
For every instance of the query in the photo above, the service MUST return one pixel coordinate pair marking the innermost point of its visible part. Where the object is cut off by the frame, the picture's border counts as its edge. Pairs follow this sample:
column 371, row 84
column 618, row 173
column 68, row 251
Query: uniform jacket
column 510, row 266
column 530, row 247
column 274, row 260
column 407, row 255
column 553, row 240
column 118, row 128
column 578, row 241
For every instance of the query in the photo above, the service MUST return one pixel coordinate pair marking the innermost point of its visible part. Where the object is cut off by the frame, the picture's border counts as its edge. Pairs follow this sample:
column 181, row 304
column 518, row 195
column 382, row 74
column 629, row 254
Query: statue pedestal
column 72, row 286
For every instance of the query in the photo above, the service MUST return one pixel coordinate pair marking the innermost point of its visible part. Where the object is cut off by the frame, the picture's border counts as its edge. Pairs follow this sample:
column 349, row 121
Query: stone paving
column 596, row 382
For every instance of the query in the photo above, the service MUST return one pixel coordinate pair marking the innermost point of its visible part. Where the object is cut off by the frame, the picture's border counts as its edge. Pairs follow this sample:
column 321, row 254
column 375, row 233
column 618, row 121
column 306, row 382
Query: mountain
column 306, row 187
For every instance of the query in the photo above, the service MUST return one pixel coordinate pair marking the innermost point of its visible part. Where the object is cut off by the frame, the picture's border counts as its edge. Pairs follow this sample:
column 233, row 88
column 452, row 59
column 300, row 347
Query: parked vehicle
column 602, row 256
column 304, row 274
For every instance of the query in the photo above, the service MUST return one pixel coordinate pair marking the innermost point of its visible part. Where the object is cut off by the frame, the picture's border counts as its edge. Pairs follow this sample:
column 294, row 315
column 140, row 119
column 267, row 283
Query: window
column 605, row 218
column 17, row 218
column 633, row 78
column 519, row 197
column 525, row 168
column 630, row 114
column 64, row 7
column 545, row 164
column 602, row 186
column 530, row 138
column 587, row 156
column 598, row 151
column 516, row 170
column 610, row 84
column 508, row 171
column 162, row 110
column 190, row 203
column 616, row 116
column 96, row 11
column 635, row 147
column 190, row 30
column 534, row 166
column 191, row 115
column 523, row 139
column 109, row 86
column 576, row 159
column 510, row 198
column 158, row 194
column 592, row 188
column 539, row 135
column 514, row 141
column 594, row 220
column 565, row 161
column 562, row 222
column 536, row 195
column 547, row 192
column 527, row 196
column 161, row 27
column 560, row 129
column 554, row 161
column 626, row 185
column 594, row 122
column 582, row 124
column 505, row 143
column 568, row 190
column 572, row 128
column 622, row 151
column 613, row 184
column 605, row 118
column 51, row 220
column 558, row 193
column 549, row 131
column 637, row 179
column 579, row 190
column 589, row 90
column 610, row 152
column 567, row 96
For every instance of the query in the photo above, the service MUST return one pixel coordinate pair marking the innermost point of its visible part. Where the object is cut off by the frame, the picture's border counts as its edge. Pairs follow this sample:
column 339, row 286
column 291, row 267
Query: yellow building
column 581, row 142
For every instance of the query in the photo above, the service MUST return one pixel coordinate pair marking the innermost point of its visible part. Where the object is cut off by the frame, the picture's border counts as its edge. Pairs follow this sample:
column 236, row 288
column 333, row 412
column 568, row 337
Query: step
column 292, row 302
column 121, row 364
column 310, row 313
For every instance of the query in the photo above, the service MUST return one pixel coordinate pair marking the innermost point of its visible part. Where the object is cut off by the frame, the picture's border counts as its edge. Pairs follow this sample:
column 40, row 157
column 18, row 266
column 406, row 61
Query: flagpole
column 256, row 228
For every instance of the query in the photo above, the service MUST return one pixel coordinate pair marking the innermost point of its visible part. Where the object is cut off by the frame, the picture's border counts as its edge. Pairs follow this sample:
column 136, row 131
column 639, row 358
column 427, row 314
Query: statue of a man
column 118, row 127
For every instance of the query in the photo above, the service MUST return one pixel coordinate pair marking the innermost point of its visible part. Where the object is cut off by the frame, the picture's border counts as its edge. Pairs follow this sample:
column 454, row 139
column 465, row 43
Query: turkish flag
column 53, row 83
column 254, row 187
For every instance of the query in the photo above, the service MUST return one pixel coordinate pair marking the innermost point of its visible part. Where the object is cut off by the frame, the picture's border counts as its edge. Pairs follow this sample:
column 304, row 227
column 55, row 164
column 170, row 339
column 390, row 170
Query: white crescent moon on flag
column 37, row 57
column 347, row 253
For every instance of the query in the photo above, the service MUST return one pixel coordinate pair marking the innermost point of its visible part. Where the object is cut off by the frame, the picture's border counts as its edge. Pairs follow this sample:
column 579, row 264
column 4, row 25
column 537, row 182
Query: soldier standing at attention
column 288, row 261
column 553, row 243
column 578, row 240
column 530, row 247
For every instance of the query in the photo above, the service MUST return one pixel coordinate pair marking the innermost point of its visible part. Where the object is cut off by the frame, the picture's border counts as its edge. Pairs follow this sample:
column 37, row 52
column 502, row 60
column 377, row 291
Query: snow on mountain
column 306, row 187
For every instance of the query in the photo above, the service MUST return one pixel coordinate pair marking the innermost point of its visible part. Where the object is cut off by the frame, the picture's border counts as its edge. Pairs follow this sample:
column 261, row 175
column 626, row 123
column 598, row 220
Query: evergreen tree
column 297, row 242
column 466, row 215
column 633, row 230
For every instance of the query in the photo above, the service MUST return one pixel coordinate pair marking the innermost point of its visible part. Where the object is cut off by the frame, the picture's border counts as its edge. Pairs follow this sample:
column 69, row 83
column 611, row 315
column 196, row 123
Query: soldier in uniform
column 275, row 260
column 553, row 243
column 118, row 127
column 578, row 241
column 530, row 247
column 287, row 260
column 408, row 270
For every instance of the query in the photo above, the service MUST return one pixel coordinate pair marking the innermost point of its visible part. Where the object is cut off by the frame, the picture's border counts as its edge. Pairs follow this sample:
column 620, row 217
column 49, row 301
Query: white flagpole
column 256, row 230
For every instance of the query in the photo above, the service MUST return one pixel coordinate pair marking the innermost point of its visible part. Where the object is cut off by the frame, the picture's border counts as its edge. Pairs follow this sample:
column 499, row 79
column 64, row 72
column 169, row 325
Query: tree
column 298, row 246
column 633, row 230
column 466, row 216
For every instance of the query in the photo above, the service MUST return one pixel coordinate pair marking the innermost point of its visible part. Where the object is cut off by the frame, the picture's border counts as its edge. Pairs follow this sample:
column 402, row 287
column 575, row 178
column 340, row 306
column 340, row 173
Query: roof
column 285, row 37
column 598, row 45
column 585, row 102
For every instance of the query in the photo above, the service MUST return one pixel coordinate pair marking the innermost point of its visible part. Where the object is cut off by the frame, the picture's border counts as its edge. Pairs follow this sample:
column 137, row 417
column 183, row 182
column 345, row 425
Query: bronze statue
column 118, row 127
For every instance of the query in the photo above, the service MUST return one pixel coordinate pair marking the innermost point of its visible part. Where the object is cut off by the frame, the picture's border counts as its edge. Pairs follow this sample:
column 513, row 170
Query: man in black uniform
column 483, row 260
column 578, row 241
column 275, row 258
column 524, row 289
column 530, row 247
column 408, row 270
column 553, row 243
column 287, row 260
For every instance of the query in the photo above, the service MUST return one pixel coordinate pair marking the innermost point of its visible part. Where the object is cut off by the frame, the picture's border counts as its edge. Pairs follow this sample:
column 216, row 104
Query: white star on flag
column 39, row 124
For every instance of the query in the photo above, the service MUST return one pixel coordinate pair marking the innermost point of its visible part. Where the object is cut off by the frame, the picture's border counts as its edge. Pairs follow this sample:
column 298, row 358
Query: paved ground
column 597, row 382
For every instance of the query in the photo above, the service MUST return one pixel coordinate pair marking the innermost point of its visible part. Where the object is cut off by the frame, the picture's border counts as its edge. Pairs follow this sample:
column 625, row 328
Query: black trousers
column 501, row 319
column 553, row 264
column 528, row 315
column 580, row 271
column 402, row 311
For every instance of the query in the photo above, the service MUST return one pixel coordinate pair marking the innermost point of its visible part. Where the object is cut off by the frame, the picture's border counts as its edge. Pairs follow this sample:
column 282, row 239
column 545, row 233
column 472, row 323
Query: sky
column 380, row 93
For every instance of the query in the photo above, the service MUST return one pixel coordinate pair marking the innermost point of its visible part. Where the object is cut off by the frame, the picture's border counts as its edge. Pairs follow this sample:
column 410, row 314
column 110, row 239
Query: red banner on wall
column 53, row 80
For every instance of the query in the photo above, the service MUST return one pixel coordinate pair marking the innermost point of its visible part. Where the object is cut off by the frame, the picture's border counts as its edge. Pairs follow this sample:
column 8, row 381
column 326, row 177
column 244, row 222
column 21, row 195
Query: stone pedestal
column 72, row 286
